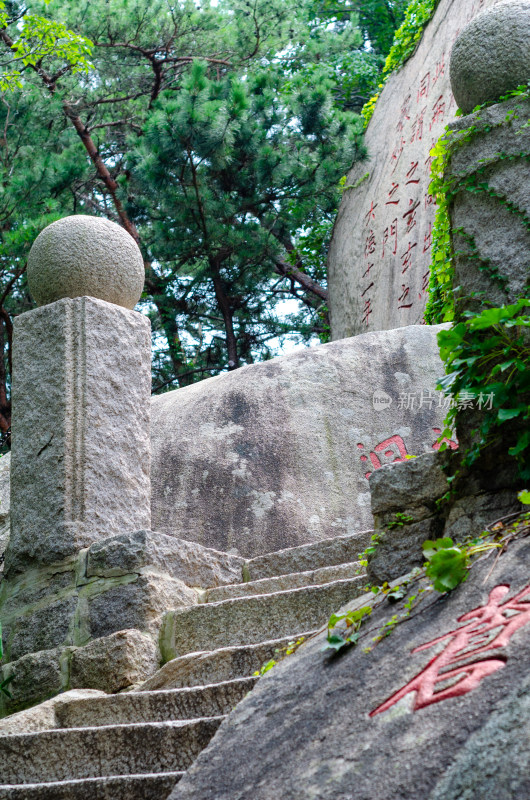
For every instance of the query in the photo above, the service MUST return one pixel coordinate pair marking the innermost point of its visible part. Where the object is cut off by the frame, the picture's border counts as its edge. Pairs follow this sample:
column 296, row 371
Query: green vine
column 440, row 305
column 447, row 565
column 487, row 359
column 406, row 39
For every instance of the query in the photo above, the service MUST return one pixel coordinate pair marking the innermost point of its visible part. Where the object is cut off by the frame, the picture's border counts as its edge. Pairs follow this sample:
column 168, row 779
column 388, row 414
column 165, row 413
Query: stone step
column 327, row 553
column 249, row 620
column 315, row 577
column 161, row 706
column 74, row 753
column 224, row 664
column 116, row 787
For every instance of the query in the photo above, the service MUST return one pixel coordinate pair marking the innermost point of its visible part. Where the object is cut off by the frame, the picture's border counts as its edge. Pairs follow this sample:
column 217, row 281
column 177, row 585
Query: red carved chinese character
column 425, row 85
column 389, row 451
column 417, row 126
column 404, row 296
column 410, row 215
column 367, row 289
column 427, row 239
column 439, row 69
column 425, row 282
column 406, row 258
column 429, row 200
column 393, row 190
column 488, row 628
column 396, row 155
column 369, row 247
column 449, row 442
column 410, row 173
column 391, row 233
column 404, row 113
column 367, row 270
column 438, row 111
column 366, row 311
column 371, row 212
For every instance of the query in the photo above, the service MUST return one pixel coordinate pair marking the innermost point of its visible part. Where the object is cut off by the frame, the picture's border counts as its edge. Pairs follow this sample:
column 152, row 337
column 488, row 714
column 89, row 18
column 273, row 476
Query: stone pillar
column 81, row 395
column 488, row 169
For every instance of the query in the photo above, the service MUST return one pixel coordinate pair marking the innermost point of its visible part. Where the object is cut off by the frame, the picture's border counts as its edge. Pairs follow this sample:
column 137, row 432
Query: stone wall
column 380, row 254
column 278, row 454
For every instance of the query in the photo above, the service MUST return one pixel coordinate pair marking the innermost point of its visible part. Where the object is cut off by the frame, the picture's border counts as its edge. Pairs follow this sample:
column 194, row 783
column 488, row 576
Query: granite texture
column 276, row 454
column 319, row 555
column 163, row 706
column 224, row 664
column 491, row 56
column 120, row 787
column 490, row 234
column 417, row 482
column 114, row 662
column 380, row 253
column 43, row 716
column 188, row 561
column 80, row 442
column 85, row 256
column 109, row 750
column 250, row 620
column 308, row 730
column 138, row 604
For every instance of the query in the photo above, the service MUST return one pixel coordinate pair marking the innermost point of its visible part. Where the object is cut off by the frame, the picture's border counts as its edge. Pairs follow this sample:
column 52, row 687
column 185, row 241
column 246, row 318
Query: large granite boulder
column 381, row 250
column 277, row 454
column 439, row 709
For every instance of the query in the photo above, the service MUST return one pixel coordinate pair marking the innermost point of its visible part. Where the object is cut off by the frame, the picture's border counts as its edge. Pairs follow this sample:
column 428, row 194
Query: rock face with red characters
column 439, row 709
column 279, row 454
column 380, row 255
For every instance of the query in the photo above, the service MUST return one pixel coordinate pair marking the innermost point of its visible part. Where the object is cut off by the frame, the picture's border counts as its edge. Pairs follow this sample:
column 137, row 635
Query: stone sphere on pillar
column 491, row 56
column 82, row 256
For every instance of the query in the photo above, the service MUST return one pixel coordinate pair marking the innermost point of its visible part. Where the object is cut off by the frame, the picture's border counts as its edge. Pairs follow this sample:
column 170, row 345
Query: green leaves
column 524, row 497
column 338, row 638
column 447, row 564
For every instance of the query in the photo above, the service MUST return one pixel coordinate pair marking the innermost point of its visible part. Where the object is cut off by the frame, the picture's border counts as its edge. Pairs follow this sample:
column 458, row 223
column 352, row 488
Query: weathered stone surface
column 495, row 761
column 471, row 515
column 114, row 662
column 322, row 742
column 489, row 238
column 85, row 256
column 40, row 629
column 138, row 604
column 491, row 55
column 400, row 549
column 249, row 620
column 330, row 552
column 37, row 677
column 135, row 707
column 276, row 454
column 110, row 750
column 224, row 664
column 42, row 717
column 121, row 787
column 380, row 254
column 418, row 482
column 80, row 452
column 282, row 583
column 187, row 561
column 5, row 468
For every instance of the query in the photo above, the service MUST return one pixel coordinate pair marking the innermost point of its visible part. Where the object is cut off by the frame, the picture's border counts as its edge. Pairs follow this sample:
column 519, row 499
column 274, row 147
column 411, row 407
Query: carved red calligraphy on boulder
column 458, row 669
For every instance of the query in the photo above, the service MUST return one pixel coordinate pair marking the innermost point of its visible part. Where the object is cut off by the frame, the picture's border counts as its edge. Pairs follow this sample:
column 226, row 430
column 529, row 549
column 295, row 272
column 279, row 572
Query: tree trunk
column 226, row 310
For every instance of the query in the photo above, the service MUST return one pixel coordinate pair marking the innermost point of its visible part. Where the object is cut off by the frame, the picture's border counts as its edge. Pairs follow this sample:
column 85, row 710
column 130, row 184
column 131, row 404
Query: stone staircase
column 136, row 745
